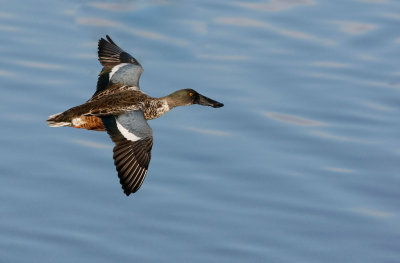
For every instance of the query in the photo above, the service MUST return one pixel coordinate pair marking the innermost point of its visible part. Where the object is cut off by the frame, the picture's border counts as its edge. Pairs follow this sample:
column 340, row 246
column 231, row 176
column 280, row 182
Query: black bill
column 203, row 100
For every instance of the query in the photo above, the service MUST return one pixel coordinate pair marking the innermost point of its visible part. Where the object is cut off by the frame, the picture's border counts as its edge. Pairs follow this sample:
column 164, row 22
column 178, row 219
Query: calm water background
column 301, row 165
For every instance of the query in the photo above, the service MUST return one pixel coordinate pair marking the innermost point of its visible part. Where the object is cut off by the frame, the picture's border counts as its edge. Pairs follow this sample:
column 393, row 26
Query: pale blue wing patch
column 133, row 125
column 126, row 74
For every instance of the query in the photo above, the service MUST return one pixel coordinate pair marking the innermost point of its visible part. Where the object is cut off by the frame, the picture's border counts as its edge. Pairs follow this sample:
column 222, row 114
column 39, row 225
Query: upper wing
column 133, row 140
column 110, row 54
column 119, row 66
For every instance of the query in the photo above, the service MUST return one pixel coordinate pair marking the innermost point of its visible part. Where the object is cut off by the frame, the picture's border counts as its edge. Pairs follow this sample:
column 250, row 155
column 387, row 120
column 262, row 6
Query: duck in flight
column 119, row 107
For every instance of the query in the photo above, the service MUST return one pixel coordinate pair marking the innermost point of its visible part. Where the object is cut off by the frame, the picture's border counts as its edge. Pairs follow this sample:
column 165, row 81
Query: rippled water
column 301, row 165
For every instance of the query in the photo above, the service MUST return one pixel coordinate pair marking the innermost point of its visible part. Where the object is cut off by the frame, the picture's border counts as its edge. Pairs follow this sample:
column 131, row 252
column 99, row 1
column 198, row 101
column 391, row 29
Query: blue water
column 301, row 165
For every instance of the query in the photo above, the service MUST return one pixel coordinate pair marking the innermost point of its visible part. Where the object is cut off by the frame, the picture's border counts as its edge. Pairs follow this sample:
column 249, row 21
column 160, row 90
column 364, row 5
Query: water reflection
column 247, row 22
column 374, row 1
column 40, row 65
column 208, row 131
column 339, row 170
column 100, row 22
column 275, row 5
column 126, row 5
column 368, row 57
column 355, row 28
column 196, row 26
column 372, row 212
column 292, row 119
column 330, row 64
column 330, row 136
column 7, row 28
column 4, row 73
column 222, row 57
column 89, row 56
column 379, row 107
column 92, row 144
column 116, row 7
column 392, row 16
column 6, row 15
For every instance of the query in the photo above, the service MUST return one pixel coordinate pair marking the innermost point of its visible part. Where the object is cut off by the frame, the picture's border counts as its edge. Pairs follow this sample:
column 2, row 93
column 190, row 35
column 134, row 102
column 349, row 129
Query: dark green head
column 189, row 96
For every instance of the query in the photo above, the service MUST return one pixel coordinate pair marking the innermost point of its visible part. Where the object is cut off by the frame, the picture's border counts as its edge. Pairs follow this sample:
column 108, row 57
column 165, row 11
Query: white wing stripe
column 125, row 132
column 117, row 67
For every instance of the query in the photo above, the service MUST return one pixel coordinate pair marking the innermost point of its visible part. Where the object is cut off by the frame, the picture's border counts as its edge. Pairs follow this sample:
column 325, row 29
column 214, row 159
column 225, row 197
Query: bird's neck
column 173, row 101
column 155, row 107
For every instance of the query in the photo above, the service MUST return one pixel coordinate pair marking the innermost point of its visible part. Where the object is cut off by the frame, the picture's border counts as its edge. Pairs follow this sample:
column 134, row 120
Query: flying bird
column 119, row 107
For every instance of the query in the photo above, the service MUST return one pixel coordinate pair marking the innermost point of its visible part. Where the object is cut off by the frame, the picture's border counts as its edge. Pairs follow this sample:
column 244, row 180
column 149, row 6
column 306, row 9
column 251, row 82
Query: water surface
column 301, row 165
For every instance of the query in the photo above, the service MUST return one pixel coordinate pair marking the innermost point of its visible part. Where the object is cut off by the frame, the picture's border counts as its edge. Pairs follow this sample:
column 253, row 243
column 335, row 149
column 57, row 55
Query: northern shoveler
column 120, row 108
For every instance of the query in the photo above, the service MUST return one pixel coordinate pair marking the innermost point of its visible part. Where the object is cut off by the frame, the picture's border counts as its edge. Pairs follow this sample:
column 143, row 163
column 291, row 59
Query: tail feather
column 56, row 120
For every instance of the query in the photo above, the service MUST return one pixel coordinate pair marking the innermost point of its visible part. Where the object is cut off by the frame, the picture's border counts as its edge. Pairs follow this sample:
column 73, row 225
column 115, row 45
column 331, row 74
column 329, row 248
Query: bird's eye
column 190, row 94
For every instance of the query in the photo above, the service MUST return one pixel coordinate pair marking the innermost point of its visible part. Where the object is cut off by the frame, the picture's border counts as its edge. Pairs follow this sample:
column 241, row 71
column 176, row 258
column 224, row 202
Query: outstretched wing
column 133, row 140
column 119, row 66
column 110, row 54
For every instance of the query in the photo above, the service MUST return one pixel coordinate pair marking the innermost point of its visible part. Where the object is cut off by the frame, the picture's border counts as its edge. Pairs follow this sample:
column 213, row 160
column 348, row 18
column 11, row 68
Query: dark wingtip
column 110, row 40
column 111, row 54
column 108, row 52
